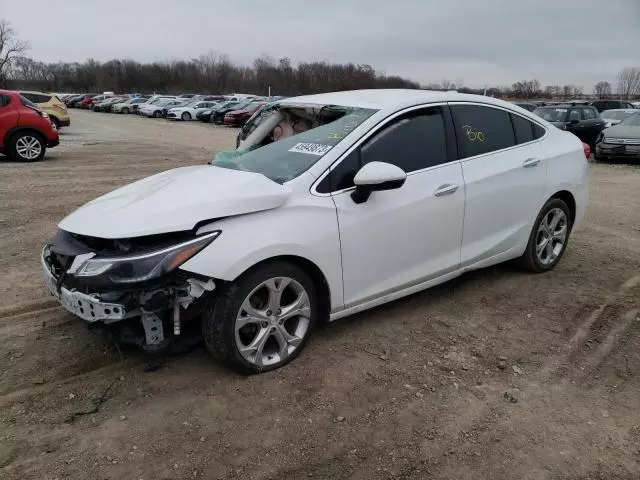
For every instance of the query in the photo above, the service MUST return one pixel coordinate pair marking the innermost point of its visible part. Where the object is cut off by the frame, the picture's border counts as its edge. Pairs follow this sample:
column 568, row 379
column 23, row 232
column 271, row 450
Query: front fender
column 308, row 230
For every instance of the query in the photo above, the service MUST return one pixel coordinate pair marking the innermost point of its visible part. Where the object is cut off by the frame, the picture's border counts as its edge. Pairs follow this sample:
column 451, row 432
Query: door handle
column 531, row 162
column 446, row 189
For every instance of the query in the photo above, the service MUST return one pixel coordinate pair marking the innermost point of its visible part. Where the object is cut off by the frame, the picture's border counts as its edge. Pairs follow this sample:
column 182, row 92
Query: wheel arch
column 22, row 129
column 567, row 197
column 310, row 268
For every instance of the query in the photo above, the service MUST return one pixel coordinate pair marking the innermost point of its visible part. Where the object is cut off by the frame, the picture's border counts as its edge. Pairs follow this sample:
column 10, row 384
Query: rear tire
column 125, row 110
column 249, row 330
column 27, row 146
column 549, row 237
column 55, row 121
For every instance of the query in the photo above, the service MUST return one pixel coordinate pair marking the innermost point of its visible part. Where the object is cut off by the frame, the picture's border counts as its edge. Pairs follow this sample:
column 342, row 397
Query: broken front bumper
column 87, row 307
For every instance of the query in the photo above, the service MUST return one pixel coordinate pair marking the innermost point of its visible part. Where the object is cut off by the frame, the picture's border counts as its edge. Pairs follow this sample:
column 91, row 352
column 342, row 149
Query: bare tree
column 602, row 89
column 10, row 47
column 447, row 84
column 629, row 82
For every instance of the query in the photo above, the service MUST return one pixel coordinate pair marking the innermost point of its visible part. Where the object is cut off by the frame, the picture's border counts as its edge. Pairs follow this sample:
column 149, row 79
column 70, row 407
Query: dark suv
column 25, row 130
column 602, row 105
column 581, row 120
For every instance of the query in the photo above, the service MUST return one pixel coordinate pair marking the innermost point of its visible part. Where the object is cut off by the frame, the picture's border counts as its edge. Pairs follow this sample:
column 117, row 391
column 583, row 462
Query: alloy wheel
column 551, row 236
column 28, row 147
column 272, row 321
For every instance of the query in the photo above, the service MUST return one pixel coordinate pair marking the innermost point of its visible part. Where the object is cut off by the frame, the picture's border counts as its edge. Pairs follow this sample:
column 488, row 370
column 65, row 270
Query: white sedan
column 332, row 204
column 189, row 111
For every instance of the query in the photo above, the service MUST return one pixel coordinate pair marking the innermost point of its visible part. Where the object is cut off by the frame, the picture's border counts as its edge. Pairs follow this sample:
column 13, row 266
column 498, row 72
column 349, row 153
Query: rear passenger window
column 574, row 114
column 523, row 129
column 482, row 129
column 4, row 100
column 588, row 114
column 538, row 131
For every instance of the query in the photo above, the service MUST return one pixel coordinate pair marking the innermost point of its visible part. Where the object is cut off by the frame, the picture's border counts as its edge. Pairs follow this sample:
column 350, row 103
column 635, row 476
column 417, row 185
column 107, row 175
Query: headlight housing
column 144, row 266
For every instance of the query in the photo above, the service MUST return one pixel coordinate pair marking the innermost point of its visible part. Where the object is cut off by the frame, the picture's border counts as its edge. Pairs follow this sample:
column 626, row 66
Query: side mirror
column 574, row 121
column 376, row 176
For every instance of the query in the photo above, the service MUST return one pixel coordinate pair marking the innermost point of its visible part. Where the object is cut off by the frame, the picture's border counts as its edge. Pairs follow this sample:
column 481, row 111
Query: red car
column 89, row 101
column 238, row 118
column 25, row 130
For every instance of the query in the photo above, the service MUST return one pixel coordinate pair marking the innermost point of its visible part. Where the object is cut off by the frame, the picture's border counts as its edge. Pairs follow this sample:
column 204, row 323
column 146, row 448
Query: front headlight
column 142, row 267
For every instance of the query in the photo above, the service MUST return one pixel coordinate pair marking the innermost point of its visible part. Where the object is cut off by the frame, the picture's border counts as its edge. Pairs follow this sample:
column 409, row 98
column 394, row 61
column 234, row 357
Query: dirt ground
column 496, row 375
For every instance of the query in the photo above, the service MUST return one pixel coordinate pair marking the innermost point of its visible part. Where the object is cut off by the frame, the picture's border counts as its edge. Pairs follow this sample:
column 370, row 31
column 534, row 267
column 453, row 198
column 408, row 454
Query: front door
column 400, row 238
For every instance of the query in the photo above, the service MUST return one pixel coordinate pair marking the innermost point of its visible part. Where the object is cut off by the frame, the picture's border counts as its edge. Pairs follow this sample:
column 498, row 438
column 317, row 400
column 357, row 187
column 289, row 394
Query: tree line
column 211, row 73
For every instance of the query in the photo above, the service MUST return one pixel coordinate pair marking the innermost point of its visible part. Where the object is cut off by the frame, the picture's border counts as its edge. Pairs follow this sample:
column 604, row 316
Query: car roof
column 625, row 110
column 389, row 99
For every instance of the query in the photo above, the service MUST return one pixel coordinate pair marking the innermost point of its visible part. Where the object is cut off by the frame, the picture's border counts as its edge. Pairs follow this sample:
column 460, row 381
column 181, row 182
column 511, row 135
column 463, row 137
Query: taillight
column 587, row 150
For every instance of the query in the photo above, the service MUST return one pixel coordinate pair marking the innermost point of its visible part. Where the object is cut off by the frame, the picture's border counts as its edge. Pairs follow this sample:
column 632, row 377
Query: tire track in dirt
column 480, row 417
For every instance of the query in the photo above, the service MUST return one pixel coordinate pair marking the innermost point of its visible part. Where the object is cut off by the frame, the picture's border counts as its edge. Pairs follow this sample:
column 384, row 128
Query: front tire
column 125, row 110
column 262, row 320
column 549, row 237
column 27, row 147
column 157, row 114
column 186, row 116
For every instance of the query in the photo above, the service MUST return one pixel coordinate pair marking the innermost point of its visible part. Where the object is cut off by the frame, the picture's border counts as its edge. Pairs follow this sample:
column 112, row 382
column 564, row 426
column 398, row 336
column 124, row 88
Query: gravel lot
column 498, row 375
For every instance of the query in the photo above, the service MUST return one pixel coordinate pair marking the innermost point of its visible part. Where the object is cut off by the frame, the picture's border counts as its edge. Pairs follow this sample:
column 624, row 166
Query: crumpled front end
column 133, row 286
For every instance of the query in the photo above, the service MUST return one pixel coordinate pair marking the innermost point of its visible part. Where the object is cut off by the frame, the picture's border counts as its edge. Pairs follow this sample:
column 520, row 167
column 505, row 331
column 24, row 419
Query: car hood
column 622, row 131
column 175, row 200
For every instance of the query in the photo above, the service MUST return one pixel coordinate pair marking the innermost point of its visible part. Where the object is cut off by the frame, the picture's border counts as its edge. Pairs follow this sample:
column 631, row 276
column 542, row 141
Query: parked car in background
column 237, row 118
column 614, row 117
column 154, row 107
column 581, row 120
column 267, row 242
column 217, row 114
column 636, row 104
column 621, row 140
column 88, row 102
column 51, row 104
column 215, row 98
column 526, row 105
column 190, row 110
column 152, row 100
column 26, row 131
column 78, row 102
column 106, row 105
column 177, row 102
column 128, row 106
column 602, row 105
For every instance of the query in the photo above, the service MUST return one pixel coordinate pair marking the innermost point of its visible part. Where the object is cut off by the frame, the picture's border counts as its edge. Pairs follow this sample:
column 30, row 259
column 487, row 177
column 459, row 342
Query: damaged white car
column 330, row 205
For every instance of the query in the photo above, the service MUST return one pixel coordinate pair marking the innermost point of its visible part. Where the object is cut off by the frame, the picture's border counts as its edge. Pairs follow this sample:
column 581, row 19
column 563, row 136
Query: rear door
column 504, row 170
column 592, row 125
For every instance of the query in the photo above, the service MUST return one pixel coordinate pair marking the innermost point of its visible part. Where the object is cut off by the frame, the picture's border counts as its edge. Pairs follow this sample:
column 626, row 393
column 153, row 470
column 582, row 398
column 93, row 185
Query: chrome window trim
column 390, row 118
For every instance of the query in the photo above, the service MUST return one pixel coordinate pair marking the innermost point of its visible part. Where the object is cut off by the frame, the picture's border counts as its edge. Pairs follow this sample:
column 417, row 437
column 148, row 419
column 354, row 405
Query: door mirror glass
column 573, row 121
column 376, row 176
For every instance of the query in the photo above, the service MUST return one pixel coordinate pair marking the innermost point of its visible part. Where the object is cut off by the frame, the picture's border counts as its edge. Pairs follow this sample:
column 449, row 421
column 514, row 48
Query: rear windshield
column 283, row 154
column 552, row 114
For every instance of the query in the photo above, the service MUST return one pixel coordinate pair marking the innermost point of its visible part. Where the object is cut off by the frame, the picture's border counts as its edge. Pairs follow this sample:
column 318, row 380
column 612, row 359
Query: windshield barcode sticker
column 311, row 148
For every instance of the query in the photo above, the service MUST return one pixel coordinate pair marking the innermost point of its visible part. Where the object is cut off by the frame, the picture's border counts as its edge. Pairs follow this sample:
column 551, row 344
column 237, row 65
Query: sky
column 470, row 42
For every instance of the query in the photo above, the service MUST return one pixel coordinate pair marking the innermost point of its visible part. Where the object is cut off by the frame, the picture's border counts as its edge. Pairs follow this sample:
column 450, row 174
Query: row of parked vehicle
column 610, row 127
column 233, row 110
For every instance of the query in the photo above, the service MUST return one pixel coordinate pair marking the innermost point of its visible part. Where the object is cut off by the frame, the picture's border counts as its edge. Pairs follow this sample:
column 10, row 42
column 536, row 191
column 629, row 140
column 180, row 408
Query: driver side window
column 574, row 115
column 412, row 142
